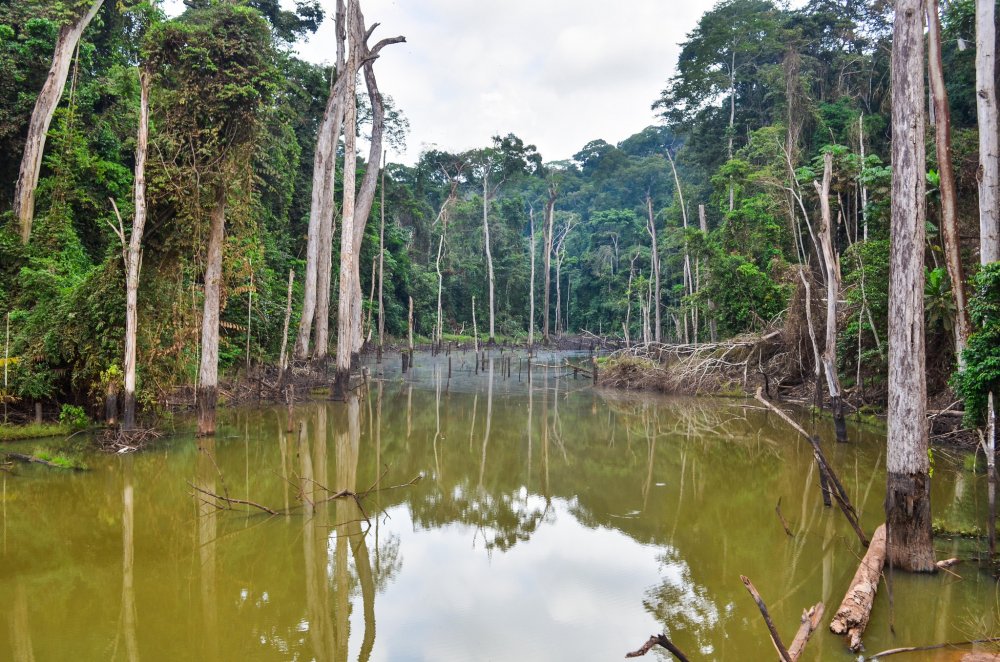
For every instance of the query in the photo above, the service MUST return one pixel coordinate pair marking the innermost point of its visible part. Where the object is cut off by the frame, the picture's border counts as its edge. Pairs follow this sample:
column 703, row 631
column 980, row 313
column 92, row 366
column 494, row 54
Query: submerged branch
column 662, row 640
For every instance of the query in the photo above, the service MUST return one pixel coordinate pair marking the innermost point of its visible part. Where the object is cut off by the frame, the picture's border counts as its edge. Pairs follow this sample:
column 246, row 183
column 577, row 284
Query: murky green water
column 552, row 523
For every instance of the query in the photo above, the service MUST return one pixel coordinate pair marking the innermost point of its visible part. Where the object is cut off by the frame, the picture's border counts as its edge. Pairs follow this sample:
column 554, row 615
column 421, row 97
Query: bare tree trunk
column 832, row 265
column 381, row 263
column 348, row 258
column 688, row 278
column 134, row 260
column 989, row 159
column 283, row 357
column 655, row 266
column 41, row 117
column 475, row 329
column 908, row 499
column 357, row 205
column 732, row 123
column 531, row 287
column 558, row 329
column 550, row 212
column 208, row 374
column 949, row 196
column 489, row 255
column 319, row 246
column 438, row 331
column 713, row 332
column 989, row 197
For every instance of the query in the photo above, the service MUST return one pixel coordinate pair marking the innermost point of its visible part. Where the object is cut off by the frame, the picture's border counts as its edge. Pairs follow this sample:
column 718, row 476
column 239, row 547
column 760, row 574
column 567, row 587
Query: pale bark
column 655, row 267
column 713, row 331
column 41, row 117
column 489, row 255
column 560, row 253
column 283, row 357
column 907, row 502
column 852, row 617
column 319, row 246
column 133, row 261
column 356, row 204
column 531, row 286
column 438, row 331
column 949, row 195
column 832, row 265
column 348, row 270
column 989, row 150
column 688, row 277
column 208, row 374
column 550, row 211
column 381, row 263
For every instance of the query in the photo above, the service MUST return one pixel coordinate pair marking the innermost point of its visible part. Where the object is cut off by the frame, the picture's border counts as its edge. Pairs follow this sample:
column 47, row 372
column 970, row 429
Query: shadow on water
column 553, row 522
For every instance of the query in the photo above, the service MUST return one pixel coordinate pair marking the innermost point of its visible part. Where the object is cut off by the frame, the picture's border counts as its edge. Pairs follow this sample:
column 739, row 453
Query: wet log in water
column 852, row 617
column 810, row 621
column 968, row 657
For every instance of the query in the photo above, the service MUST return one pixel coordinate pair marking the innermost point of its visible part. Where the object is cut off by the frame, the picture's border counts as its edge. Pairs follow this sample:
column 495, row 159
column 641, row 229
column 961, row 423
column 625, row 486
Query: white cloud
column 558, row 73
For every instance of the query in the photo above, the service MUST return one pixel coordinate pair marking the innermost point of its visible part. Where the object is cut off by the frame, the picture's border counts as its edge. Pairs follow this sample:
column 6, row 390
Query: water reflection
column 580, row 521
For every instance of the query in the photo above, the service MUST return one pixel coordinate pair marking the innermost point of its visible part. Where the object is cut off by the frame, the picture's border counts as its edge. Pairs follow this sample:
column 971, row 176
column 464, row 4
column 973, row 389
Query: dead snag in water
column 775, row 638
column 810, row 621
column 662, row 640
column 31, row 459
column 833, row 485
column 852, row 617
column 231, row 501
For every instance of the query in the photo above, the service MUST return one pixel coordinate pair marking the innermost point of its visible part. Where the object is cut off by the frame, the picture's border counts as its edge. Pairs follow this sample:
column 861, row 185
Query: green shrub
column 73, row 416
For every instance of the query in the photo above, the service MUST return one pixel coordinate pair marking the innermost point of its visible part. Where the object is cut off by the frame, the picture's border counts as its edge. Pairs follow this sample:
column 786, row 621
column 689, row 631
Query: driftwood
column 659, row 639
column 31, row 459
column 833, row 485
column 775, row 638
column 810, row 621
column 852, row 617
column 914, row 649
column 231, row 501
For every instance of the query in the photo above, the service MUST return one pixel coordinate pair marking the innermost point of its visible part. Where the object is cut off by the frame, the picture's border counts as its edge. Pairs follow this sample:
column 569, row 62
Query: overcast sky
column 558, row 73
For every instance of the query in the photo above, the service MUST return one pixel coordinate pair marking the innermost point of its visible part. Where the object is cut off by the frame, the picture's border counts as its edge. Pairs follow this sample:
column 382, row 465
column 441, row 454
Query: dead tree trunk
column 908, row 499
column 358, row 204
column 550, row 212
column 688, row 276
column 381, row 262
column 208, row 374
column 852, row 617
column 316, row 285
column 989, row 149
column 713, row 331
column 655, row 268
column 832, row 265
column 134, row 260
column 949, row 195
column 531, row 286
column 489, row 254
column 283, row 357
column 41, row 117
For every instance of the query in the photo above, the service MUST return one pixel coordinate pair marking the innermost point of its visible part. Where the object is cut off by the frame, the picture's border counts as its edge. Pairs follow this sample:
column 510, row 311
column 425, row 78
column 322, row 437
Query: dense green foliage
column 759, row 94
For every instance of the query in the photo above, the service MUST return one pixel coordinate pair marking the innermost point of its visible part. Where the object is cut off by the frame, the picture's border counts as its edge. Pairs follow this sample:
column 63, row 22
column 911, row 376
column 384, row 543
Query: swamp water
column 552, row 523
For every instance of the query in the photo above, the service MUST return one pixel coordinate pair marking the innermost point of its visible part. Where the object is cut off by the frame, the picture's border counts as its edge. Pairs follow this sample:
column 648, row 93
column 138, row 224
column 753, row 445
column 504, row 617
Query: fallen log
column 810, row 621
column 658, row 639
column 854, row 612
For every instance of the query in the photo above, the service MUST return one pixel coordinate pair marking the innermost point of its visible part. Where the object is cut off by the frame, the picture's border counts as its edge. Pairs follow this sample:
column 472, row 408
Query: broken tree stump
column 810, row 621
column 852, row 617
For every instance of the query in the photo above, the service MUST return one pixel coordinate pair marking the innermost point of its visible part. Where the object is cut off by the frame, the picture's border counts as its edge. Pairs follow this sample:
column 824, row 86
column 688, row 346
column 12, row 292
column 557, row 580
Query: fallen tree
column 852, row 616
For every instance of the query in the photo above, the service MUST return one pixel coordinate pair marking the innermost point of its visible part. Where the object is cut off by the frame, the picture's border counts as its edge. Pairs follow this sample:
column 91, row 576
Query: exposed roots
column 116, row 440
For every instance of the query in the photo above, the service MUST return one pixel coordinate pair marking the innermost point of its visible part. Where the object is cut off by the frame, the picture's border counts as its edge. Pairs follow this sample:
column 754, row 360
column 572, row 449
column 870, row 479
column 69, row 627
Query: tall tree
column 989, row 147
column 319, row 245
column 45, row 107
column 212, row 112
column 908, row 498
column 550, row 211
